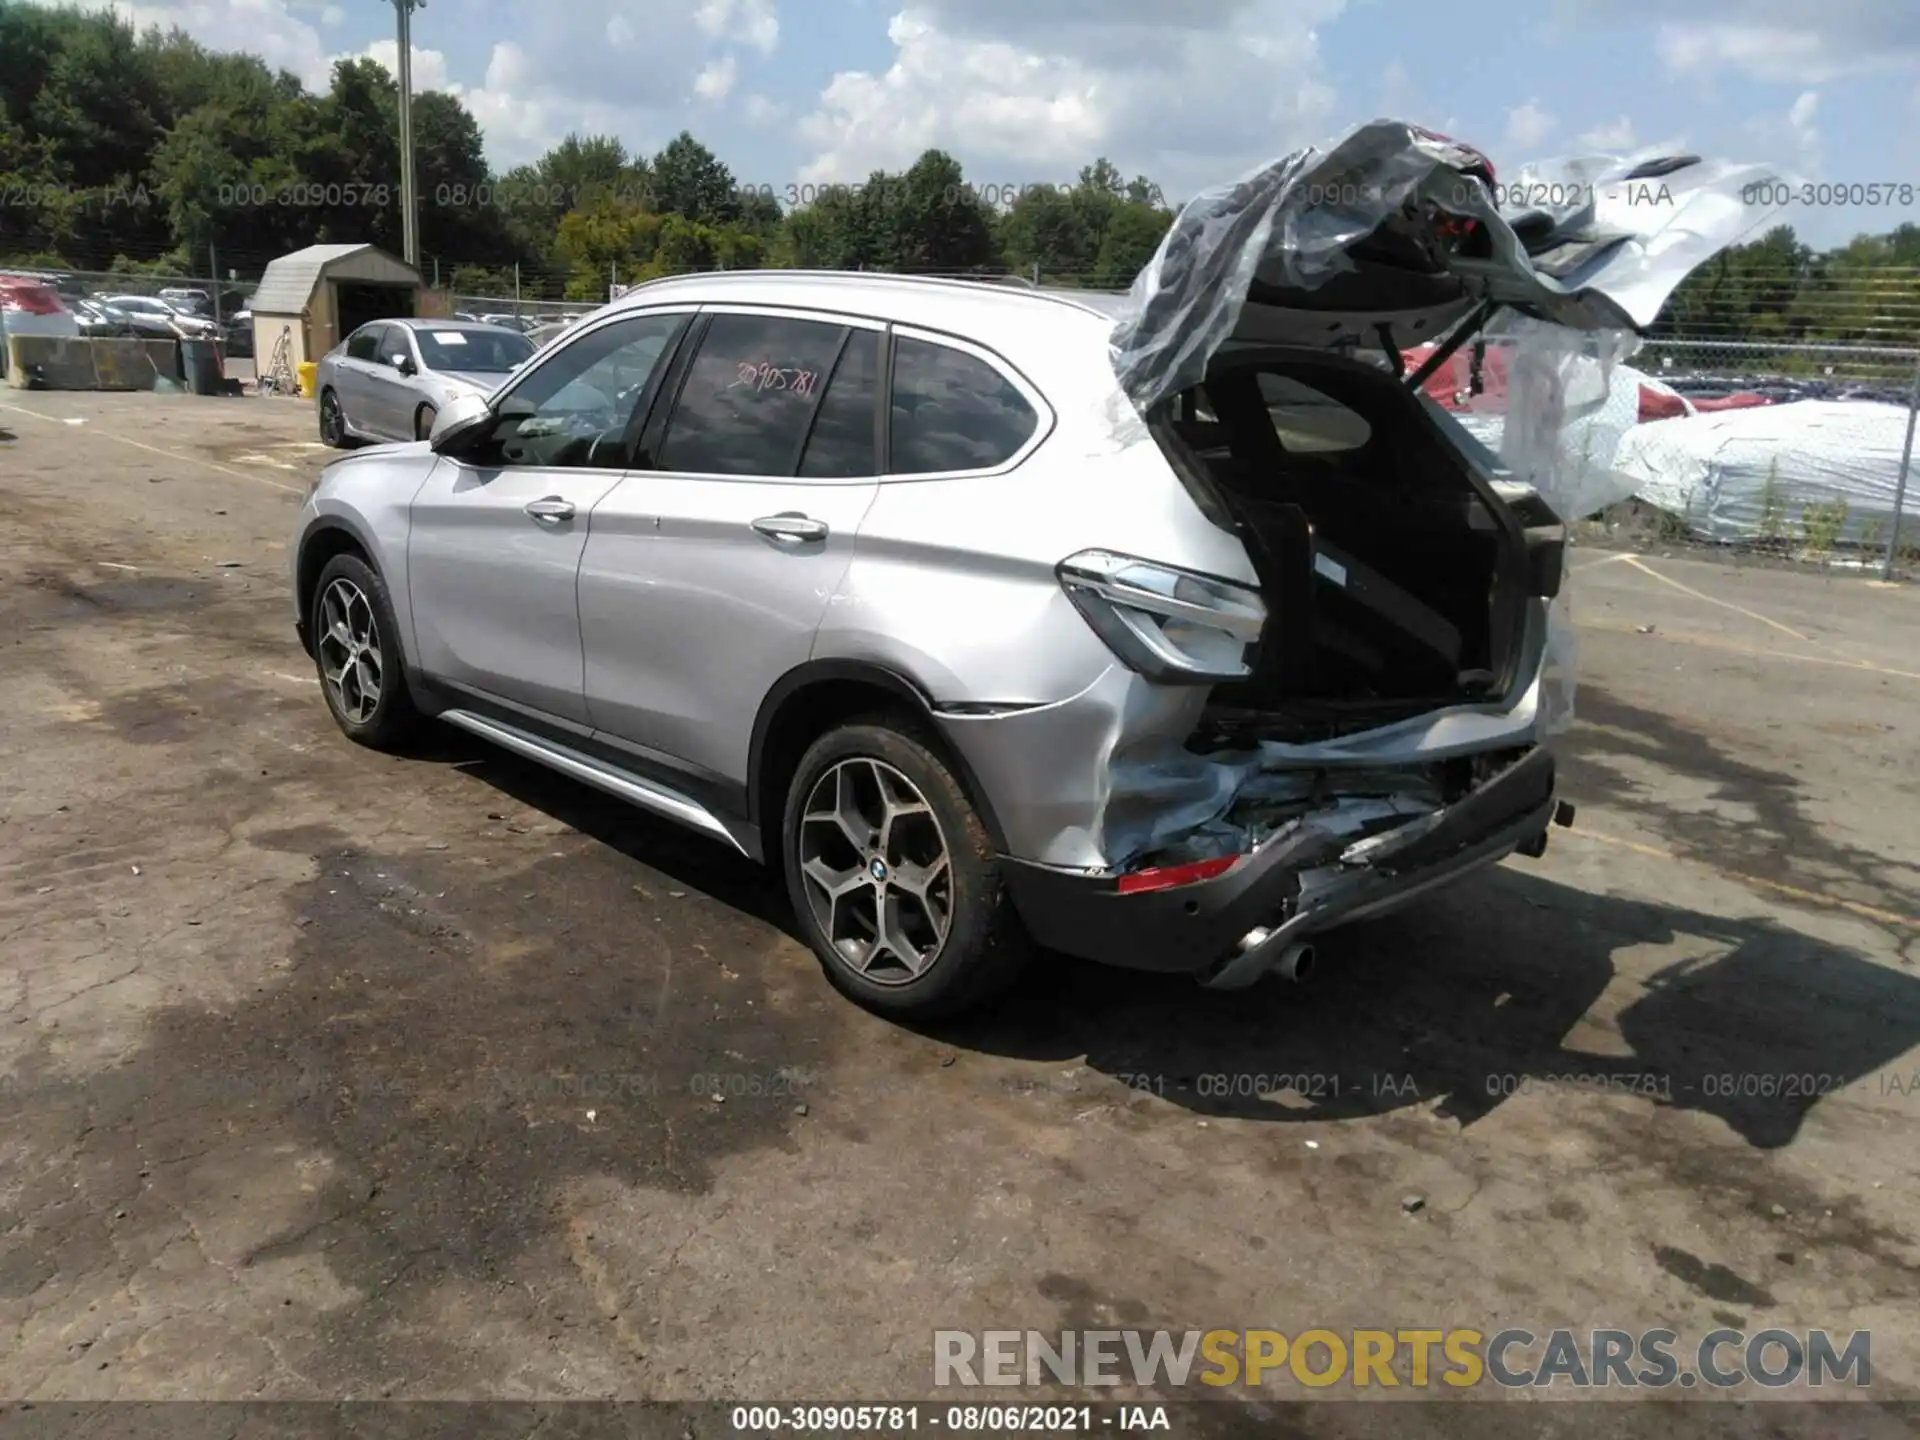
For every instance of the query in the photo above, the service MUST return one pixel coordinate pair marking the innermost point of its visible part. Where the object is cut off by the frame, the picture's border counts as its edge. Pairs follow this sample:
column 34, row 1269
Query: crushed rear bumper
column 1232, row 929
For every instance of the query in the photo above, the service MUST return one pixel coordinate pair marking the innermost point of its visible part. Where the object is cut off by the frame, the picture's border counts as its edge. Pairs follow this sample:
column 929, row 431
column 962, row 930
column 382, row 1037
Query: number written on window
column 721, row 426
column 952, row 411
column 768, row 376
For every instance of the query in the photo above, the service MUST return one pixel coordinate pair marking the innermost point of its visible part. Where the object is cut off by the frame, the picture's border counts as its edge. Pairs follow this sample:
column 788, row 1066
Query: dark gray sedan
column 389, row 378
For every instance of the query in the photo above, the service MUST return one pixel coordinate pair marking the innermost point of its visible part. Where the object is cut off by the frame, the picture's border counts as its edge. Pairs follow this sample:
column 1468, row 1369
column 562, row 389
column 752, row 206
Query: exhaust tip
column 1296, row 962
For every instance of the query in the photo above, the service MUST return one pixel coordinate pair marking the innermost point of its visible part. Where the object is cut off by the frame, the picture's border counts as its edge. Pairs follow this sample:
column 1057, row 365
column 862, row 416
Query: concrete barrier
column 68, row 364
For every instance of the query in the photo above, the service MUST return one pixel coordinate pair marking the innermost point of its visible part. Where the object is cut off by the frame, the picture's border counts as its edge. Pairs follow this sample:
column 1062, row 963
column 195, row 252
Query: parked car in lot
column 158, row 319
column 99, row 320
column 389, row 379
column 31, row 306
column 891, row 583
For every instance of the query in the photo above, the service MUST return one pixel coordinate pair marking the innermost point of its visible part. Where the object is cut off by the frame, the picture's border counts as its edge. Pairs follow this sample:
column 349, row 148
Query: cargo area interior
column 1392, row 587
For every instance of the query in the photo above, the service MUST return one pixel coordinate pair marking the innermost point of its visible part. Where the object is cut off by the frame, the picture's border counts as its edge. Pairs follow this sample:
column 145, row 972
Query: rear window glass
column 1309, row 422
column 952, row 411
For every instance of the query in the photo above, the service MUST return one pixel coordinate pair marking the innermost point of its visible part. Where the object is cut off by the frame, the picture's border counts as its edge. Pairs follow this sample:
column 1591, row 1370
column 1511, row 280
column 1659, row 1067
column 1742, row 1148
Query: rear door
column 498, row 529
column 707, row 572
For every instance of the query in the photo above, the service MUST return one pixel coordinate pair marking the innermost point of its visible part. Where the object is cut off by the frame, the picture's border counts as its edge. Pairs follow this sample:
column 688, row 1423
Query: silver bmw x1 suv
column 1167, row 630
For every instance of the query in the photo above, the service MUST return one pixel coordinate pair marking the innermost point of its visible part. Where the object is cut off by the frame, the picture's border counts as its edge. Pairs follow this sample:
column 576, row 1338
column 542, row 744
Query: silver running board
column 589, row 771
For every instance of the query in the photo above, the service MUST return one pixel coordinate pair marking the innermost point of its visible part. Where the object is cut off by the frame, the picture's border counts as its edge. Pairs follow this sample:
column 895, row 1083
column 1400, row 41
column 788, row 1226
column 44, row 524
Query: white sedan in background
column 390, row 378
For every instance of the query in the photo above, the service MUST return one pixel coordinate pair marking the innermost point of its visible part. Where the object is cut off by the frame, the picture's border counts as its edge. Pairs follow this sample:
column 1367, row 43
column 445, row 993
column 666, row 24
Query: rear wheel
column 893, row 877
column 333, row 421
column 423, row 422
column 357, row 652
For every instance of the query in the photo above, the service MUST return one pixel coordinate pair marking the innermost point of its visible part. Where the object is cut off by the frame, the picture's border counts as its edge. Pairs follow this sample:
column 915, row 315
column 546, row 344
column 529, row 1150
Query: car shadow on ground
column 1468, row 997
column 1479, row 994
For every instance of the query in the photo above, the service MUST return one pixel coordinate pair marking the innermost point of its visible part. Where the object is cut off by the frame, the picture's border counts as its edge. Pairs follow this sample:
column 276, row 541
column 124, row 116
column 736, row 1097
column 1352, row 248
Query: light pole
column 409, row 202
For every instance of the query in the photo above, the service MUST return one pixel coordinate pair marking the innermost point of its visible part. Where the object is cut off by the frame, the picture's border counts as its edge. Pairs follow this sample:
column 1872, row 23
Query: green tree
column 690, row 181
column 1133, row 233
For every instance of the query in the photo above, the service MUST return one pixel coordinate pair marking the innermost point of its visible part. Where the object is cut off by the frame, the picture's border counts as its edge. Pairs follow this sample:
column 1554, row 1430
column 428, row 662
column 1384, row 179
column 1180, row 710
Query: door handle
column 790, row 527
column 550, row 511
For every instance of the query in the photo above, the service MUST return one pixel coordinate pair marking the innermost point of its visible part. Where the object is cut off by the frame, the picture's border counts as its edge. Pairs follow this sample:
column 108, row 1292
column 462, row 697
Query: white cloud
column 1528, row 126
column 1614, row 137
column 429, row 66
column 716, row 80
column 747, row 22
column 1787, row 41
column 762, row 111
column 332, row 16
column 1026, row 91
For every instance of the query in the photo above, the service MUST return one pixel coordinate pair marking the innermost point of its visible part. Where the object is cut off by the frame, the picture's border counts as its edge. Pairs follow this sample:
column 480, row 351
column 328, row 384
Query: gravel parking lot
column 329, row 1073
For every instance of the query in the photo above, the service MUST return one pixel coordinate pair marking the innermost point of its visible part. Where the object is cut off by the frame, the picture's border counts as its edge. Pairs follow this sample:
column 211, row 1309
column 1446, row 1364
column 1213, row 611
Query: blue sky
column 1024, row 91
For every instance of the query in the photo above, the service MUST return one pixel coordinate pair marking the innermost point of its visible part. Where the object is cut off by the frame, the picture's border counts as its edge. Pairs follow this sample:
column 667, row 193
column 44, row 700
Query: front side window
column 953, row 411
column 364, row 343
column 750, row 396
column 393, row 345
column 575, row 410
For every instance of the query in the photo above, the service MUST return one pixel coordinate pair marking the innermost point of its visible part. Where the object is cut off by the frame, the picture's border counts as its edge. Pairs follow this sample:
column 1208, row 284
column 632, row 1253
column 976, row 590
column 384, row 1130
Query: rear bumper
column 1229, row 931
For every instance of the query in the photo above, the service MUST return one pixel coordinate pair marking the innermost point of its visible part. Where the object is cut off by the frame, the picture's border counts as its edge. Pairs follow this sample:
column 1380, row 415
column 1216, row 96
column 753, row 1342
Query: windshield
column 490, row 352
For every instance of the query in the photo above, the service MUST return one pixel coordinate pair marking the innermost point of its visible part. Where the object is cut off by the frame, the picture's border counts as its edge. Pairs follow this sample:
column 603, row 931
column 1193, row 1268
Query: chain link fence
column 1790, row 452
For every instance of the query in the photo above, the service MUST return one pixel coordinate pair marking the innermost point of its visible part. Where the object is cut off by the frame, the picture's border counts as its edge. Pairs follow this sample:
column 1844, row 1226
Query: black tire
column 984, row 948
column 393, row 718
column 423, row 422
column 333, row 421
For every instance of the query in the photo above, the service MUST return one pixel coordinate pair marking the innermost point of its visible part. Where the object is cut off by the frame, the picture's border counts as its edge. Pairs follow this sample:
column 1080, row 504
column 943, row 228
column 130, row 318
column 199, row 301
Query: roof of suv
column 994, row 314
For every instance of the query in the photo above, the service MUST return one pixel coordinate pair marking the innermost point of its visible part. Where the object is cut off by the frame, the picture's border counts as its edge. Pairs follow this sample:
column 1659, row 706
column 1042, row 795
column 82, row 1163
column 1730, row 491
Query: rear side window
column 750, row 396
column 841, row 446
column 1308, row 422
column 953, row 411
column 364, row 344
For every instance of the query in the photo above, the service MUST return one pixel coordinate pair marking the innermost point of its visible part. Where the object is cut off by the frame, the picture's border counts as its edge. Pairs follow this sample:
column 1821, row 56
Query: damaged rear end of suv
column 1338, row 644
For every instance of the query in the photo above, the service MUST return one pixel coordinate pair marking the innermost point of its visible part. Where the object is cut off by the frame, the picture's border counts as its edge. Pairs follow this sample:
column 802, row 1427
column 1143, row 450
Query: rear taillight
column 1171, row 877
column 1171, row 625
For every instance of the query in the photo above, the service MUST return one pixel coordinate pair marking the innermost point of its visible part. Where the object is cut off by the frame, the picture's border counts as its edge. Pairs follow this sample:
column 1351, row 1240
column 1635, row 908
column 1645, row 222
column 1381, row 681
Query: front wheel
column 357, row 651
column 893, row 877
column 333, row 421
column 423, row 422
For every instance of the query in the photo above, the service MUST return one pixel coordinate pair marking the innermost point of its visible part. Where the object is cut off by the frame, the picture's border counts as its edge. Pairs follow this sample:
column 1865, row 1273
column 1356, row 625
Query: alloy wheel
column 876, row 869
column 332, row 423
column 349, row 643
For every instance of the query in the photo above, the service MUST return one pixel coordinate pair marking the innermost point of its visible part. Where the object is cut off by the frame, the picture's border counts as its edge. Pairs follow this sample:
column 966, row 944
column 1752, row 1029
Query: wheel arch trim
column 903, row 687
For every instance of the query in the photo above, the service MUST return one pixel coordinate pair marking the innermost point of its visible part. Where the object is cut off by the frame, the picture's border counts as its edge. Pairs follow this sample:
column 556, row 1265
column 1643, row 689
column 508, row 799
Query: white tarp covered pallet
column 1744, row 474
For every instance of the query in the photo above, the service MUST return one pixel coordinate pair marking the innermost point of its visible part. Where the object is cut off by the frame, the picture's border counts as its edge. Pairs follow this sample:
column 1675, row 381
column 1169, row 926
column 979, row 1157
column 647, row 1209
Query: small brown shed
column 322, row 294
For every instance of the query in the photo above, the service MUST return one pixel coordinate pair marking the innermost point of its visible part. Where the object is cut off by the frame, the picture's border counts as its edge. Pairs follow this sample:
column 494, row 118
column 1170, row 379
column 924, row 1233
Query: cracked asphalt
column 326, row 1074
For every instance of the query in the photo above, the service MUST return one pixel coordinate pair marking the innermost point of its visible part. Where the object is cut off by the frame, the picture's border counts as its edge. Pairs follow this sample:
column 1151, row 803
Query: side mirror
column 463, row 417
column 402, row 363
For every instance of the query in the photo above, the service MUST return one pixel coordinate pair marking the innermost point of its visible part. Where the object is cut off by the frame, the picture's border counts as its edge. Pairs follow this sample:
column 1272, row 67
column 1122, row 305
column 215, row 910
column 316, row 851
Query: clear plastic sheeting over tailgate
column 1295, row 217
column 1622, row 235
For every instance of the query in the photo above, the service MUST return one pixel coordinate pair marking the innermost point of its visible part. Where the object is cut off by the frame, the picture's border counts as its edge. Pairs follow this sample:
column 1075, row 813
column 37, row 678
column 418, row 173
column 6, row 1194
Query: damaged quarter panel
column 954, row 584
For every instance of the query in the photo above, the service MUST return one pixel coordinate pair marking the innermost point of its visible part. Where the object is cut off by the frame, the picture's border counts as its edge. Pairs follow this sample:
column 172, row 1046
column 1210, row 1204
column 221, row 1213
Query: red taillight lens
column 1168, row 877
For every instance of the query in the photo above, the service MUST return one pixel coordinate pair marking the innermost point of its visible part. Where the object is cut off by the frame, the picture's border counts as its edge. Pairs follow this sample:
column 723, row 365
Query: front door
column 498, row 528
column 354, row 377
column 709, row 569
